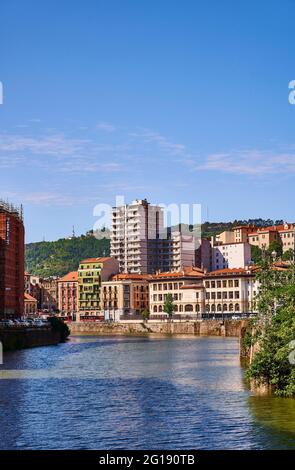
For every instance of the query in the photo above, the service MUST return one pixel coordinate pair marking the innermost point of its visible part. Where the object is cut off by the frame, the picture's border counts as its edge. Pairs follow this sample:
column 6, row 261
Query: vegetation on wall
column 275, row 331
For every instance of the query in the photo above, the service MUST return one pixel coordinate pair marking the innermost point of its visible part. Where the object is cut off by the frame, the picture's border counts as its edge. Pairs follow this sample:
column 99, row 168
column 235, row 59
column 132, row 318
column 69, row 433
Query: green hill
column 59, row 257
column 62, row 256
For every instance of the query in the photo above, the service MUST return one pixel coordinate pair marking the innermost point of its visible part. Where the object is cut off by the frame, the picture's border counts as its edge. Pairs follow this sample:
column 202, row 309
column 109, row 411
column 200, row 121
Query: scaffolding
column 5, row 206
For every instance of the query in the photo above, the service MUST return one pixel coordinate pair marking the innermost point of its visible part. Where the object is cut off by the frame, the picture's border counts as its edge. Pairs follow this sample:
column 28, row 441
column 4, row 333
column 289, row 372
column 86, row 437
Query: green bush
column 57, row 324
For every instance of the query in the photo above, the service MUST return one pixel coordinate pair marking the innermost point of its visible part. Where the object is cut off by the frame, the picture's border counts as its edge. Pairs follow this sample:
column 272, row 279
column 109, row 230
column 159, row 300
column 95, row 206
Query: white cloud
column 250, row 162
column 105, row 127
column 55, row 144
column 150, row 136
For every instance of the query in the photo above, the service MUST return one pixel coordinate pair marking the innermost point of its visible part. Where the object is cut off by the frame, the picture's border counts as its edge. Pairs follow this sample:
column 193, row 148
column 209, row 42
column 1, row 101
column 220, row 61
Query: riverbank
column 230, row 328
column 22, row 338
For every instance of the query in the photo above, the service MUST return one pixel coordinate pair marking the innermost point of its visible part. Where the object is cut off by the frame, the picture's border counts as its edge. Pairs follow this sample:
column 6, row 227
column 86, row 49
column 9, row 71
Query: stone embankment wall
column 21, row 338
column 198, row 328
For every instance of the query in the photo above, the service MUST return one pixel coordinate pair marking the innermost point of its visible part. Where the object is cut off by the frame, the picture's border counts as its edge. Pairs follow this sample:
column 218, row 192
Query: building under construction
column 11, row 261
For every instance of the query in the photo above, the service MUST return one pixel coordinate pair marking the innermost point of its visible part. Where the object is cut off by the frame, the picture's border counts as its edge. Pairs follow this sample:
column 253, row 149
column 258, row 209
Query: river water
column 137, row 393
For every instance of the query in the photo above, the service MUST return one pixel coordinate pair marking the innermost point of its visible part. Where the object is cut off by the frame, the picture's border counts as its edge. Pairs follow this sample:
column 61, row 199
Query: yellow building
column 91, row 273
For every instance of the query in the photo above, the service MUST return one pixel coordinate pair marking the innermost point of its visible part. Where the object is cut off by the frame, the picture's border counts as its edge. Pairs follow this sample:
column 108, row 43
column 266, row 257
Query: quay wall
column 22, row 338
column 198, row 328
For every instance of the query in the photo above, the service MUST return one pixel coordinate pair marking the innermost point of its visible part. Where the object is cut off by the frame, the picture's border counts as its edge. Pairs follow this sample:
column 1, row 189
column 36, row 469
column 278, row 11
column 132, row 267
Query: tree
column 276, row 323
column 275, row 247
column 256, row 254
column 288, row 255
column 145, row 313
column 169, row 306
column 57, row 324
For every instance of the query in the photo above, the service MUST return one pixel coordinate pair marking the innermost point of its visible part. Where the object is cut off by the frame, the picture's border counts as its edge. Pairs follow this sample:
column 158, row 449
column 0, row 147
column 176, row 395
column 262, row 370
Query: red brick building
column 11, row 261
column 68, row 294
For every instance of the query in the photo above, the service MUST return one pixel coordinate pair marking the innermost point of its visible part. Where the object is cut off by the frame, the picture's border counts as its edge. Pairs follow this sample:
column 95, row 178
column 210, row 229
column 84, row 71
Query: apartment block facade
column 231, row 255
column 68, row 295
column 11, row 261
column 49, row 294
column 217, row 293
column 284, row 234
column 124, row 295
column 135, row 236
column 91, row 273
column 141, row 243
column 185, row 287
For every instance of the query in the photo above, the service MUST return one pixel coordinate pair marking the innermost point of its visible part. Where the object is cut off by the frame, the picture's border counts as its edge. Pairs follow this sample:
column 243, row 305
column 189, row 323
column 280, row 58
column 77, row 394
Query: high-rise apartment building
column 136, row 230
column 141, row 243
column 11, row 261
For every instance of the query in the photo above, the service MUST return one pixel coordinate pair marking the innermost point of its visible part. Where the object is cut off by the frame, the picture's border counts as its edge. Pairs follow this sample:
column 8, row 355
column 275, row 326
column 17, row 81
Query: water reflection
column 276, row 416
column 137, row 393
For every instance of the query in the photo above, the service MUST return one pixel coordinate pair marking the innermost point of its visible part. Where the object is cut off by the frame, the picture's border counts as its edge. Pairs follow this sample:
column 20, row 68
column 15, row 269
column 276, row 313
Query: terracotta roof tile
column 70, row 277
column 96, row 260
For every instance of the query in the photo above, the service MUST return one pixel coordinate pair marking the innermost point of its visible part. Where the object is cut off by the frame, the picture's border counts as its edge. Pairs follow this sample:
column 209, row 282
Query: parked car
column 6, row 323
column 235, row 317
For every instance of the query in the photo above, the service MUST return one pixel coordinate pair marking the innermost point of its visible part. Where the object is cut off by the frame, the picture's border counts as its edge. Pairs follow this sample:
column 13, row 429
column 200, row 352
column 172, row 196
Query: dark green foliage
column 288, row 255
column 169, row 306
column 145, row 313
column 57, row 324
column 276, row 304
column 256, row 254
column 62, row 256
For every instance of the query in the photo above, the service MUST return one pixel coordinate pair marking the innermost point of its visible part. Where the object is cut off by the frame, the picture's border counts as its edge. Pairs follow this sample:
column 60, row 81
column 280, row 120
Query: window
column 237, row 283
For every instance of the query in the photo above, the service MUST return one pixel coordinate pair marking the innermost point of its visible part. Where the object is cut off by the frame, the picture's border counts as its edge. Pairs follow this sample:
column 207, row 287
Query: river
column 137, row 393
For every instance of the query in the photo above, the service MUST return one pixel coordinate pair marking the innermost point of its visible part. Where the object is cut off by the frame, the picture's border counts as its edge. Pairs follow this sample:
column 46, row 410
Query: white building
column 231, row 255
column 195, row 293
column 135, row 233
column 141, row 243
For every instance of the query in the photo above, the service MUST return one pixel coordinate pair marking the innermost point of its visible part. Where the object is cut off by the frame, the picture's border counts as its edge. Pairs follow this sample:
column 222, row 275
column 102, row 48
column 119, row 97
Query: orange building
column 125, row 294
column 68, row 295
column 11, row 261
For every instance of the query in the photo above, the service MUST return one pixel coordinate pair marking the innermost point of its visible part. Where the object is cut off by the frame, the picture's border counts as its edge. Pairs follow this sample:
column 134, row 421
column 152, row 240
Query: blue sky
column 176, row 101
